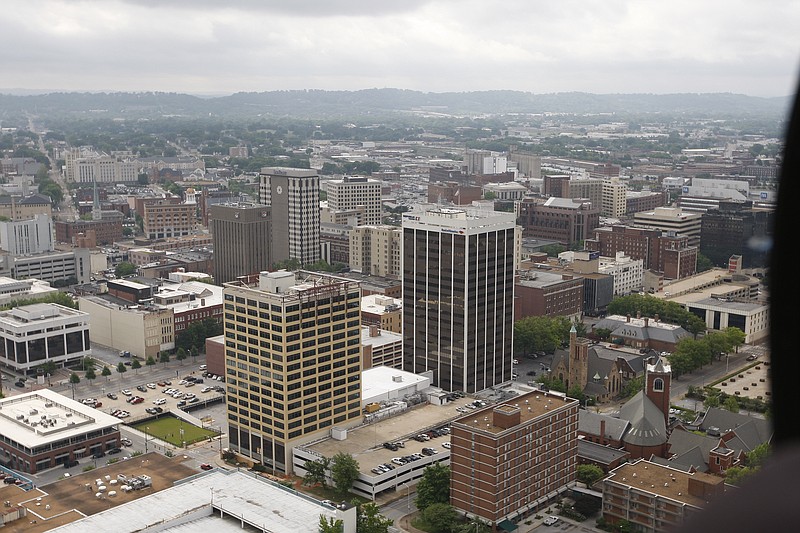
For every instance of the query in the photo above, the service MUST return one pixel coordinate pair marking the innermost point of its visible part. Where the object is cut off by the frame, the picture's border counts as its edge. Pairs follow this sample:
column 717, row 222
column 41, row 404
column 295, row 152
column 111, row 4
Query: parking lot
column 135, row 399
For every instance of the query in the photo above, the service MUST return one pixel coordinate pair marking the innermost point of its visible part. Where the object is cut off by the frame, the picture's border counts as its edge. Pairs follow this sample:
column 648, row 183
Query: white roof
column 380, row 380
column 39, row 417
column 249, row 499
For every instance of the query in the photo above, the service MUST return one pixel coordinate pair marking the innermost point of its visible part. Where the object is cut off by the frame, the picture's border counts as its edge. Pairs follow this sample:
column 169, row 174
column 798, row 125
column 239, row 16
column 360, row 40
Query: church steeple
column 657, row 385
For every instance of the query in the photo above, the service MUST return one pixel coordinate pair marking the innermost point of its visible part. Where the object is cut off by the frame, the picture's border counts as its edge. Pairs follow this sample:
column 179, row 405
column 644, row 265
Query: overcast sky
column 541, row 46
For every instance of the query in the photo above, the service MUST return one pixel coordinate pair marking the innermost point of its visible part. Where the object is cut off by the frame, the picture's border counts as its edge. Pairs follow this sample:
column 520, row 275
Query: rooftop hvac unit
column 49, row 404
column 33, row 412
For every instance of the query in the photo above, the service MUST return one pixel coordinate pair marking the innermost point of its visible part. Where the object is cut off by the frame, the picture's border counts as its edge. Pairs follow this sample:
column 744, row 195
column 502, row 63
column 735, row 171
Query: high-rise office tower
column 458, row 296
column 293, row 195
column 292, row 361
column 242, row 243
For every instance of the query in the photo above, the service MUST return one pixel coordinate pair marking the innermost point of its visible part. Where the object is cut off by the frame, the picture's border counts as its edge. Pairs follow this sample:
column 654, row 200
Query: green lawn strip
column 168, row 429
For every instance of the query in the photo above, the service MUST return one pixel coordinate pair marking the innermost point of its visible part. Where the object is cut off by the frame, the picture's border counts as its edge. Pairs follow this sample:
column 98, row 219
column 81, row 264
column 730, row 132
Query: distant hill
column 318, row 103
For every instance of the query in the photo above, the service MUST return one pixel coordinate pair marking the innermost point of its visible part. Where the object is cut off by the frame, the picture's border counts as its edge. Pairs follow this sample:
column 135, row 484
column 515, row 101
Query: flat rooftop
column 529, row 406
column 663, row 481
column 365, row 443
column 37, row 418
column 238, row 494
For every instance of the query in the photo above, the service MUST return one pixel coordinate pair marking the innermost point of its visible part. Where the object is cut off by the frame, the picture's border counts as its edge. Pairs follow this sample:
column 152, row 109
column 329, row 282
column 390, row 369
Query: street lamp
column 146, row 433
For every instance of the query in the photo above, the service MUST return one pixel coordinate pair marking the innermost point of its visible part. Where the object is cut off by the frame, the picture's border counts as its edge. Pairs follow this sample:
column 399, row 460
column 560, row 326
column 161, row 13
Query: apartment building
column 293, row 195
column 242, row 240
column 628, row 273
column 458, row 296
column 292, row 361
column 73, row 266
column 352, row 192
column 34, row 334
column 655, row 498
column 509, row 460
column 375, row 250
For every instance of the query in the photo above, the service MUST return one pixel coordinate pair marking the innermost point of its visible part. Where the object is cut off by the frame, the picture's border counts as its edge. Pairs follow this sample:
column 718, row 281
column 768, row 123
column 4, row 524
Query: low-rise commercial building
column 43, row 429
column 31, row 335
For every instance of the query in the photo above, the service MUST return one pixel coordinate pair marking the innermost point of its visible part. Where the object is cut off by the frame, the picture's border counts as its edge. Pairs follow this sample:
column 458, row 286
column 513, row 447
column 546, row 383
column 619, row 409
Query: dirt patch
column 72, row 498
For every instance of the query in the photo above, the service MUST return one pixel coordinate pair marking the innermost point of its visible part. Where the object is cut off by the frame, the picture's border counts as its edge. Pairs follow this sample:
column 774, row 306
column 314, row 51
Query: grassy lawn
column 168, row 428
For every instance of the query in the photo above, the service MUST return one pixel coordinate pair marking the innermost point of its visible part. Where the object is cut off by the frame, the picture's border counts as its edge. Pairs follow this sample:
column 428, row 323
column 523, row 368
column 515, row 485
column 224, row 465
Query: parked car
column 151, row 385
column 446, row 445
column 550, row 520
column 99, row 454
column 126, row 392
column 114, row 451
column 206, row 466
column 112, row 396
column 126, row 441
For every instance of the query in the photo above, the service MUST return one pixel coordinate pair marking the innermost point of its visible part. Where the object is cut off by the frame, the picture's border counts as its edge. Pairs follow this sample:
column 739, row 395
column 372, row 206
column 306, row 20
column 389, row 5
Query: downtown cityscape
column 283, row 283
column 510, row 319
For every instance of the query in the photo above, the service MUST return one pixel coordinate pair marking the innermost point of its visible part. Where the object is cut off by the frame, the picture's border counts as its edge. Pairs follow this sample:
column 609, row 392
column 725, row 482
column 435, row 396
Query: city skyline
column 432, row 46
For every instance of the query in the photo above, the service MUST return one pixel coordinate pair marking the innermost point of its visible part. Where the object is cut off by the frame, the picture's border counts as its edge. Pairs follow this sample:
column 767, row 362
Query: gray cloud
column 249, row 45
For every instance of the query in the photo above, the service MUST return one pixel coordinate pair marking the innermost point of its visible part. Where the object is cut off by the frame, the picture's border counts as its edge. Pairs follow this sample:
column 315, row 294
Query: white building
column 672, row 219
column 12, row 289
column 628, row 273
column 221, row 501
column 34, row 334
column 26, row 237
column 85, row 165
column 506, row 192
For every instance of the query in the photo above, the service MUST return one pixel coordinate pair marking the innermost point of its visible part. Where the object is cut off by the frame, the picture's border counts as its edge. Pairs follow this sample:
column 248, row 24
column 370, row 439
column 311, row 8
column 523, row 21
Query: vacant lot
column 175, row 431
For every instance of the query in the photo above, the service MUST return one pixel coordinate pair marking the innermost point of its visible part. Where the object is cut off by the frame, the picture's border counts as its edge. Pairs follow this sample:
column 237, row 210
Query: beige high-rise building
column 293, row 362
column 354, row 192
column 614, row 204
column 375, row 250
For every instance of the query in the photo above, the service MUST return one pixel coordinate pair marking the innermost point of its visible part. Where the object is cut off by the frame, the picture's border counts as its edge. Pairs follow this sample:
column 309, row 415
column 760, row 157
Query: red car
column 206, row 466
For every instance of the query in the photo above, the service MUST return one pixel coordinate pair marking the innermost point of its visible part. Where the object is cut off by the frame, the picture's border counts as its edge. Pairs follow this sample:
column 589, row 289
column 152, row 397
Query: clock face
column 279, row 189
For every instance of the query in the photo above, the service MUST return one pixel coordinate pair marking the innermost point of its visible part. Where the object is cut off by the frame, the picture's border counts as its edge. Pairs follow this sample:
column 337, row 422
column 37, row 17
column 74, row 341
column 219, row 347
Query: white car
column 151, row 385
column 126, row 392
column 446, row 445
column 550, row 520
column 160, row 401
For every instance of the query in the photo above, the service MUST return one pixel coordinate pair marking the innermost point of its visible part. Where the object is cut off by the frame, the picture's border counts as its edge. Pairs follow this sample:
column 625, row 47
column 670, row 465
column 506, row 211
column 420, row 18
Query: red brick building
column 509, row 460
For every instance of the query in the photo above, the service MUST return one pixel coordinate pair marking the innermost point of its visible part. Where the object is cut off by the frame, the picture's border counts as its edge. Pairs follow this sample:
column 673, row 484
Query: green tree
column 317, row 472
column 370, row 519
column 106, row 372
column 124, row 269
column 163, row 357
column 632, row 386
column 330, row 525
column 47, row 368
column 150, row 361
column 440, row 517
column 90, row 375
column 136, row 365
column 88, row 363
column 735, row 336
column 121, row 369
column 590, row 474
column 576, row 391
column 433, row 486
column 74, row 379
column 731, row 404
column 180, row 355
column 344, row 471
